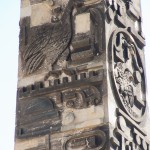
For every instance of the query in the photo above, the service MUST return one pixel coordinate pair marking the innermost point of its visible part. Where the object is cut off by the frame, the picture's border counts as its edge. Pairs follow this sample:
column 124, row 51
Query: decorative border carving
column 65, row 82
column 125, row 15
column 39, row 106
column 128, row 134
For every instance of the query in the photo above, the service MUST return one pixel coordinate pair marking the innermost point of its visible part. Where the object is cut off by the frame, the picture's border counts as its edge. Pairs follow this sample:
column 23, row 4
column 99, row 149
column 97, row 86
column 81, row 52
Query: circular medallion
column 128, row 74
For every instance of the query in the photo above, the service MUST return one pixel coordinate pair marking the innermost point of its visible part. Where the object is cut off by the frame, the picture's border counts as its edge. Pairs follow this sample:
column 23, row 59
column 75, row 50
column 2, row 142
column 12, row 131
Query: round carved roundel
column 128, row 74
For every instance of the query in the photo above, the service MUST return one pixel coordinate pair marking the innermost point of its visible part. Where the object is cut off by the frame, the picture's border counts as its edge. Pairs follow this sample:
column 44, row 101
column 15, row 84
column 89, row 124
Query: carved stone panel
column 128, row 134
column 37, row 116
column 83, row 139
column 82, row 97
column 87, row 141
column 126, row 14
column 72, row 35
column 128, row 74
column 81, row 82
column 47, row 107
column 87, row 42
column 50, row 27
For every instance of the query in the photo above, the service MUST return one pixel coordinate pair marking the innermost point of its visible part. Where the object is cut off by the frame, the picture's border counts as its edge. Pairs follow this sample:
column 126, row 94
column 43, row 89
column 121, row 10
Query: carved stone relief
column 126, row 14
column 53, row 39
column 58, row 81
column 37, row 114
column 83, row 139
column 126, row 70
column 60, row 40
column 36, row 117
column 82, row 97
column 87, row 141
column 128, row 134
column 128, row 74
column 87, row 41
column 67, row 55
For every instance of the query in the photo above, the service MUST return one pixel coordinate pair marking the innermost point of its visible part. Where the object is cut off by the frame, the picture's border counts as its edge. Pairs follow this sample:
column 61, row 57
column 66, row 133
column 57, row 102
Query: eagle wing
column 33, row 56
column 59, row 42
column 49, row 42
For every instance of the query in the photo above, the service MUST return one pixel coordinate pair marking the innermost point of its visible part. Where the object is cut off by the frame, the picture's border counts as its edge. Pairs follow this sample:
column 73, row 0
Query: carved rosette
column 128, row 74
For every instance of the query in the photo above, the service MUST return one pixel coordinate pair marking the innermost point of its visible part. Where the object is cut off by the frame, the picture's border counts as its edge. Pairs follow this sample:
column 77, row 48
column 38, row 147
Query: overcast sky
column 9, row 31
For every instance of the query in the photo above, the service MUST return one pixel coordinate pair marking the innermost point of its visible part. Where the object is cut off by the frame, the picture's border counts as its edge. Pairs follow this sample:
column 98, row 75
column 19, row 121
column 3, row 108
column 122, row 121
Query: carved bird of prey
column 51, row 43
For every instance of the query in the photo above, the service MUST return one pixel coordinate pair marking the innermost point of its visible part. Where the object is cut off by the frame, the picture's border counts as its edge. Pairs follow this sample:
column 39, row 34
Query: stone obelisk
column 81, row 81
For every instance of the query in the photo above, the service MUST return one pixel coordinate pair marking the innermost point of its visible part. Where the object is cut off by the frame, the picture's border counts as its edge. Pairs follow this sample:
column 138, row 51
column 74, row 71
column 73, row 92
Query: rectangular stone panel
column 91, row 138
column 39, row 106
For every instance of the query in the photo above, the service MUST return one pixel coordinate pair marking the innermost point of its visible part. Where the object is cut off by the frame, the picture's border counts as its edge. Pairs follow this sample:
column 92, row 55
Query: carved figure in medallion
column 128, row 74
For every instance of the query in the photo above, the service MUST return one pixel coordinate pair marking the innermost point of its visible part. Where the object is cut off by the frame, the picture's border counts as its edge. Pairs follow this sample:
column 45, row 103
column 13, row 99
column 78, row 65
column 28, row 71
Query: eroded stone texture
column 81, row 80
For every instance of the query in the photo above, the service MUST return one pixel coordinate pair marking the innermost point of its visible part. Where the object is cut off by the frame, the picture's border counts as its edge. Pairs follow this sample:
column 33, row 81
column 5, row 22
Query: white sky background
column 9, row 31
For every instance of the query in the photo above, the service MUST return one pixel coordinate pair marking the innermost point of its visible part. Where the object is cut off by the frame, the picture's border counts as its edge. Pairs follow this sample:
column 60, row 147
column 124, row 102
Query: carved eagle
column 50, row 42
